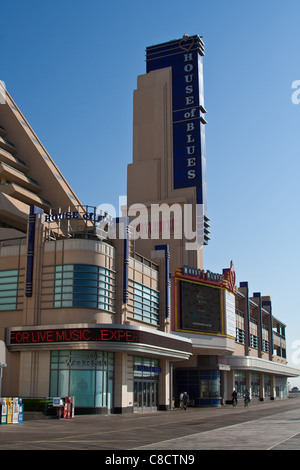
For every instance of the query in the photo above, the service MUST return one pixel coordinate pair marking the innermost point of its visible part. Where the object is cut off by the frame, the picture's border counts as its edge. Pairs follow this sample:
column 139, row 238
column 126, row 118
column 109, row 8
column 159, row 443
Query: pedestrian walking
column 247, row 398
column 185, row 400
column 234, row 397
column 180, row 400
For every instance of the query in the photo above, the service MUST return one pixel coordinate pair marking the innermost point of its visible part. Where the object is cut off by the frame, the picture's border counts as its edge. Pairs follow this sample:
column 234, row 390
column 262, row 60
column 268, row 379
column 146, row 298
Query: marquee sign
column 204, row 302
column 74, row 335
column 229, row 278
column 51, row 336
column 185, row 57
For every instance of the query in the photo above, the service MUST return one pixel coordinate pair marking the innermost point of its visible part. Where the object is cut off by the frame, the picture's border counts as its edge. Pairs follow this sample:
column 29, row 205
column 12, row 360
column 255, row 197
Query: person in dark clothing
column 185, row 400
column 247, row 398
column 234, row 397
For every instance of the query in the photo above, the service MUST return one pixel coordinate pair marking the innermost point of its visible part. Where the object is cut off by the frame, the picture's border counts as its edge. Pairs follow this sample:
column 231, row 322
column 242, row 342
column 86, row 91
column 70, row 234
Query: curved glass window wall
column 8, row 289
column 84, row 286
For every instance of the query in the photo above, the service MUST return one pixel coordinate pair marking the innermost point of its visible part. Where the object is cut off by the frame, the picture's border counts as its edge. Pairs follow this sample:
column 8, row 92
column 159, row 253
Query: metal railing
column 13, row 242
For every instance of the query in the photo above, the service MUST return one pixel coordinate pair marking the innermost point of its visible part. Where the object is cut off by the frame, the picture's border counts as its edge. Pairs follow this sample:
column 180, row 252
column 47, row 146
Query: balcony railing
column 13, row 242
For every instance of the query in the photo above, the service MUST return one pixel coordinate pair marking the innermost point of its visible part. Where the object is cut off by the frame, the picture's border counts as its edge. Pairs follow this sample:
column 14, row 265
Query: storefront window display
column 209, row 384
column 85, row 375
column 281, row 387
column 267, row 385
column 255, row 385
column 240, row 383
column 202, row 386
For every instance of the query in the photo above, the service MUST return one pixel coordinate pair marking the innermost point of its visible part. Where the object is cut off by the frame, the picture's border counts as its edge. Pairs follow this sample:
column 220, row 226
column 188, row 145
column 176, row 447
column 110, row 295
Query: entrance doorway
column 145, row 395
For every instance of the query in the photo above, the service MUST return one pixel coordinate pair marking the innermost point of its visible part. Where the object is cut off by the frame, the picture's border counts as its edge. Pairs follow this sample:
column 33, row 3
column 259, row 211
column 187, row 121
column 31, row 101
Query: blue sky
column 71, row 67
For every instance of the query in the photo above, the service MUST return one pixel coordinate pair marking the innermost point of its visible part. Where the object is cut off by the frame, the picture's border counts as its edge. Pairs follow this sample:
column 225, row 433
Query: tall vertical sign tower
column 185, row 56
column 169, row 162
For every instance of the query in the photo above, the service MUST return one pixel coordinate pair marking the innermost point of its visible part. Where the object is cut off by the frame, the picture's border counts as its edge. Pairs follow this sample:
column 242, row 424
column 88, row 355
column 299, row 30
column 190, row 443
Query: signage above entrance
column 110, row 337
column 200, row 273
column 227, row 279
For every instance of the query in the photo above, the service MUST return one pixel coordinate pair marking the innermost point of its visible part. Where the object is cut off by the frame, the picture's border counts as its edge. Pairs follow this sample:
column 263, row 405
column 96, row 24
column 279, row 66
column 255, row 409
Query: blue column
column 30, row 252
column 167, row 276
column 245, row 285
column 125, row 236
column 258, row 296
column 268, row 303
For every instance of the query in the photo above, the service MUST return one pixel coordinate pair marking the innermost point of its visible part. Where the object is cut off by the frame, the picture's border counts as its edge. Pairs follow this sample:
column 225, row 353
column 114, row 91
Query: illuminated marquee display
column 66, row 335
column 204, row 302
column 200, row 307
column 185, row 56
column 48, row 336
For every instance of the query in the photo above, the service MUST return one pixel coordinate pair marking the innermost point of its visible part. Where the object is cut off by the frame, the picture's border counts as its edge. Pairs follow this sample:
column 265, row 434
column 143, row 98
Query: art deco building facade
column 79, row 313
column 92, row 308
column 237, row 342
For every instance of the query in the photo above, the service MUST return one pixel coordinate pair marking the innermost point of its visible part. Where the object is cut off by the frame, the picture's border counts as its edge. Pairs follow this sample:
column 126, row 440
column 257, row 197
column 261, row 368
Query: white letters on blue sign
column 190, row 126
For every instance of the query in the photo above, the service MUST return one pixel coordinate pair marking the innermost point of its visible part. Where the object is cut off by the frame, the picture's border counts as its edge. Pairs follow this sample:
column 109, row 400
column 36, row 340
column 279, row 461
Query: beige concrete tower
column 168, row 170
column 28, row 175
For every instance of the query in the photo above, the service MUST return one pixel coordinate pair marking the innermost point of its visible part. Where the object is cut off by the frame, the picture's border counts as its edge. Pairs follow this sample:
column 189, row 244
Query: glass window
column 253, row 341
column 9, row 273
column 240, row 382
column 267, row 385
column 255, row 384
column 84, row 286
column 82, row 385
column 240, row 336
column 8, row 289
column 209, row 384
column 63, row 383
column 85, row 268
column 99, row 388
column 85, row 375
column 146, row 367
column 145, row 304
column 265, row 345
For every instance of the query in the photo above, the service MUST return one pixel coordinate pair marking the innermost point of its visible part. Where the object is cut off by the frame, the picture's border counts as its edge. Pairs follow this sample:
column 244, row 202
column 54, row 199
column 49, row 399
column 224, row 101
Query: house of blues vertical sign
column 185, row 56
